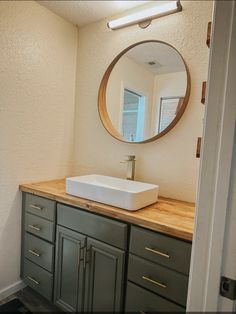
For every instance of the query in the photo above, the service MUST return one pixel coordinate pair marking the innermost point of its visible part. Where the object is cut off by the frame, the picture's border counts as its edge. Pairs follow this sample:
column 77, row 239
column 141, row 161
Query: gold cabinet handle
column 34, row 253
column 33, row 280
column 37, row 207
column 157, row 252
column 162, row 285
column 34, row 227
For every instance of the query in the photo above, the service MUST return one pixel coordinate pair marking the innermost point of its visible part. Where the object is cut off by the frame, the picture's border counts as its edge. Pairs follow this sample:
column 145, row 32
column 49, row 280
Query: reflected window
column 169, row 107
column 133, row 116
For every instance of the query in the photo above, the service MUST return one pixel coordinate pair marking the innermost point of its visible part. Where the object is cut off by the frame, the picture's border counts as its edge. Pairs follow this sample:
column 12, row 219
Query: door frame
column 215, row 166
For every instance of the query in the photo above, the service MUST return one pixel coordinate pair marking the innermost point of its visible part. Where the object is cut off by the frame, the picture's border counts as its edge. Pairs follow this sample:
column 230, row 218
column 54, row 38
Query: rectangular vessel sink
column 126, row 194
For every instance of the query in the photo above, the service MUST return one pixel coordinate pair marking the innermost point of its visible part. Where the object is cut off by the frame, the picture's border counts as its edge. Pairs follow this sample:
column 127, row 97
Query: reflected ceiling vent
column 154, row 64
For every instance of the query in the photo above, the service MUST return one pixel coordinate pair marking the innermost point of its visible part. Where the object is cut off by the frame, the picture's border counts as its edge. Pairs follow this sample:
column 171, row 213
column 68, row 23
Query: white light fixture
column 144, row 17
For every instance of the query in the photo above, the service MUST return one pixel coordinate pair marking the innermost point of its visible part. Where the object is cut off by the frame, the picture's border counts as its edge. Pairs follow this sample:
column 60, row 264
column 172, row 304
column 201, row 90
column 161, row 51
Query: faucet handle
column 131, row 157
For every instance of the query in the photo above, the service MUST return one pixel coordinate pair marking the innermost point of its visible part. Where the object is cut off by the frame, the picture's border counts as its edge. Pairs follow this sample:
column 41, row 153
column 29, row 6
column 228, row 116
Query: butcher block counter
column 168, row 216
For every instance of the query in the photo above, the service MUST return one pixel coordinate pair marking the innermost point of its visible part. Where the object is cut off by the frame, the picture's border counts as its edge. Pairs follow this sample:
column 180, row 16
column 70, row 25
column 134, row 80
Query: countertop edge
column 95, row 207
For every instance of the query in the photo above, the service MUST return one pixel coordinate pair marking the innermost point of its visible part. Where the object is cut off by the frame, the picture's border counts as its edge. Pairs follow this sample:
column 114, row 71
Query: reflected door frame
column 141, row 113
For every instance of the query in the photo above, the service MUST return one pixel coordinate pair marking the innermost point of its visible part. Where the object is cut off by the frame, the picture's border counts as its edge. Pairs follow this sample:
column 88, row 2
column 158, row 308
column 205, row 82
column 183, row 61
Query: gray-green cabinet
column 69, row 273
column 38, row 243
column 78, row 256
column 85, row 262
column 104, row 277
column 90, row 261
column 139, row 300
column 157, row 272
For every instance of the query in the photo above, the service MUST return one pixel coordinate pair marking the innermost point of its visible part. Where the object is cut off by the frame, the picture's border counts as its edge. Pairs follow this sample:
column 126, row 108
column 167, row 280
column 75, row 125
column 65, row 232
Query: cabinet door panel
column 38, row 279
column 40, row 206
column 161, row 280
column 69, row 270
column 139, row 300
column 151, row 246
column 39, row 251
column 100, row 228
column 40, row 227
column 104, row 278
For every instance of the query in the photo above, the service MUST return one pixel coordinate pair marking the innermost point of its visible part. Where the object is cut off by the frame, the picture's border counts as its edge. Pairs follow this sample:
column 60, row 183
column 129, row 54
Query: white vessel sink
column 126, row 194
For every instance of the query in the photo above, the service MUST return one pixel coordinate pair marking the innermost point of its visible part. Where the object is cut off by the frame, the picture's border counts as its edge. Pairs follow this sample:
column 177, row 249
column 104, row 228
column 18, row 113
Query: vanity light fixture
column 143, row 18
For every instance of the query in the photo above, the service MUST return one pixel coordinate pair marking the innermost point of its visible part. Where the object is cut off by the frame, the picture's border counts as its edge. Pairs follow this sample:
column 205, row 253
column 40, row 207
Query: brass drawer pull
column 34, row 253
column 36, row 207
column 162, row 285
column 157, row 252
column 33, row 280
column 34, row 227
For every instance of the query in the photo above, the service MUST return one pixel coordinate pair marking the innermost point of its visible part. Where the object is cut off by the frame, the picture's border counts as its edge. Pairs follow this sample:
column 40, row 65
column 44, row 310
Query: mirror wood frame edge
column 102, row 110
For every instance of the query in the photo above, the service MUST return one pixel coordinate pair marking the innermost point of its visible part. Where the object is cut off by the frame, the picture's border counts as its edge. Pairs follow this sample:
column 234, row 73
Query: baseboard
column 6, row 292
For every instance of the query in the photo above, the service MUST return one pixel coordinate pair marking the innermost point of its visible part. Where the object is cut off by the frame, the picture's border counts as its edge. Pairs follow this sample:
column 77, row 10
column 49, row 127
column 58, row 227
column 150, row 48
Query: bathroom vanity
column 87, row 256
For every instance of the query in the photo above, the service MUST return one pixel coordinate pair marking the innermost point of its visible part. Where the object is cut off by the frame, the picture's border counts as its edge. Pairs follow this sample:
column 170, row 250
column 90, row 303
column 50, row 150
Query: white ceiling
column 168, row 60
column 84, row 12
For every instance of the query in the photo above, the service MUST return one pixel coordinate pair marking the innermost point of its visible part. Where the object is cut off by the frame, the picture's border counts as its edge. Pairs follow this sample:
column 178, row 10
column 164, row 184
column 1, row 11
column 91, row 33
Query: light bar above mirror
column 143, row 18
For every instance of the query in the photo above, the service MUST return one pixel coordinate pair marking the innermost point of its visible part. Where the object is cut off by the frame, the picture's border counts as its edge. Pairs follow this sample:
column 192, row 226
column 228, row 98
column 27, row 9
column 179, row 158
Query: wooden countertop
column 172, row 217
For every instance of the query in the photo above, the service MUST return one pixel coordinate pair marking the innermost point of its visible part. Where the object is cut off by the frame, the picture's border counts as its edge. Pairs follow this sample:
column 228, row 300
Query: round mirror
column 144, row 92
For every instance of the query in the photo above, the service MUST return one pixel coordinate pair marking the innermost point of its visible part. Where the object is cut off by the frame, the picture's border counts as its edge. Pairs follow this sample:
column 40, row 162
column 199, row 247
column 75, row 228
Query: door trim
column 215, row 167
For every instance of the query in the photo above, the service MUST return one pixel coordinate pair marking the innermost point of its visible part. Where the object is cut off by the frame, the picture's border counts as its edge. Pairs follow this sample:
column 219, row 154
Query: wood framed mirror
column 144, row 92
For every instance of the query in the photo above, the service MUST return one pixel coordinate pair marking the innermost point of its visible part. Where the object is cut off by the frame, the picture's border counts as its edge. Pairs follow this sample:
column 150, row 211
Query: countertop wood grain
column 172, row 217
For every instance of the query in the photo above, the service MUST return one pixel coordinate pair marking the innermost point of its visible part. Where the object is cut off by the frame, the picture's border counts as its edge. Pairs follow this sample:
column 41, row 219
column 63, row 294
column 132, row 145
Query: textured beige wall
column 169, row 161
column 37, row 91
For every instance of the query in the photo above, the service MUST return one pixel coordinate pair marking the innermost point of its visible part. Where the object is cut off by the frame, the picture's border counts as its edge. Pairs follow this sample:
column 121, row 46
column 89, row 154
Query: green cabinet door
column 104, row 278
column 69, row 270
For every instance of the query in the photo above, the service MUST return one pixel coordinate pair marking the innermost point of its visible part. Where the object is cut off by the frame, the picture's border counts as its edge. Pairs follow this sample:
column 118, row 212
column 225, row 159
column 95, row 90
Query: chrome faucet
column 130, row 167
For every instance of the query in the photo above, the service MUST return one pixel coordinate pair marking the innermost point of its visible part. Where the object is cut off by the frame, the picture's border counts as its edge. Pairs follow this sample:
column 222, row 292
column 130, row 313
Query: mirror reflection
column 146, row 91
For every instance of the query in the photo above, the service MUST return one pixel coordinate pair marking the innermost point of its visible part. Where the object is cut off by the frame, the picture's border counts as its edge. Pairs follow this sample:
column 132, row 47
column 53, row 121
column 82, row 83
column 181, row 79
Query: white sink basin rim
column 126, row 194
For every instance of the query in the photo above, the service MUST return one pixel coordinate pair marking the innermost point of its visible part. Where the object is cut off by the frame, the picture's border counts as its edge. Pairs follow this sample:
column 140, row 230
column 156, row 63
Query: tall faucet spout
column 130, row 167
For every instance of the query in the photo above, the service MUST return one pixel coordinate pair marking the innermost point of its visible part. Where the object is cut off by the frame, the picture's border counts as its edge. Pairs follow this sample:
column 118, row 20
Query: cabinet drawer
column 159, row 248
column 139, row 300
column 38, row 279
column 158, row 279
column 101, row 228
column 40, row 227
column 40, row 206
column 39, row 251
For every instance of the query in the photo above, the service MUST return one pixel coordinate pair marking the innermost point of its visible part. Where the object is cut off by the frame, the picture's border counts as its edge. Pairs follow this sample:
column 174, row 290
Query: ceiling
column 165, row 58
column 85, row 12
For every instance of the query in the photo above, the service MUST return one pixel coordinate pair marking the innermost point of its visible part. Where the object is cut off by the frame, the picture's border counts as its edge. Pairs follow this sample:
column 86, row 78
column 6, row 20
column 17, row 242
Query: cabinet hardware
column 162, row 285
column 157, row 252
column 208, row 41
column 37, row 207
column 203, row 98
column 228, row 288
column 87, row 256
column 34, row 227
column 33, row 280
column 84, row 259
column 142, row 312
column 81, row 255
column 198, row 151
column 34, row 253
